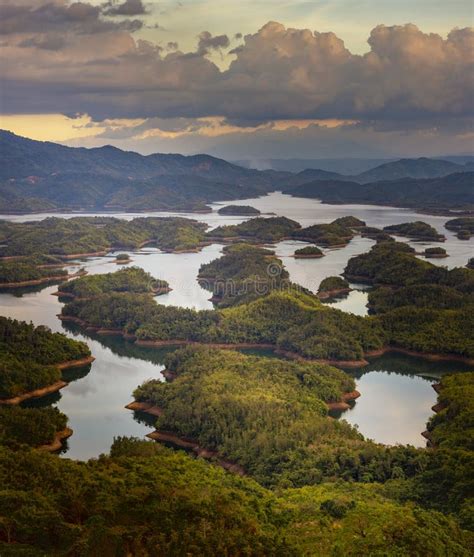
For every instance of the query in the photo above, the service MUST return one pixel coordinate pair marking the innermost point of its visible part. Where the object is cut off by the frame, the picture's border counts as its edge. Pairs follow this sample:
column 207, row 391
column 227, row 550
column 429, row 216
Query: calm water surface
column 396, row 392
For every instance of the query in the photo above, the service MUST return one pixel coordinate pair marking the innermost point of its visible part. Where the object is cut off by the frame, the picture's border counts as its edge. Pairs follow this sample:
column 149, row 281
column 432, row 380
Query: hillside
column 409, row 168
column 421, row 168
column 46, row 176
column 452, row 191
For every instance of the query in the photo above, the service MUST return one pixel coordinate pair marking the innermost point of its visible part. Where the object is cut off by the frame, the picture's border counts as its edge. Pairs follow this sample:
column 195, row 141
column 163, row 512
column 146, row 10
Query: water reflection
column 396, row 397
column 396, row 390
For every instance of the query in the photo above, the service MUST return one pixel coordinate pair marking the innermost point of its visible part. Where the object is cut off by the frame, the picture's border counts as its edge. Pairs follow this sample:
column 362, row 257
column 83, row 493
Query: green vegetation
column 423, row 307
column 375, row 234
column 259, row 230
column 435, row 252
column 242, row 274
column 431, row 331
column 434, row 296
column 131, row 279
column 388, row 263
column 122, row 257
column 269, row 416
column 330, row 284
column 461, row 223
column 146, row 500
column 453, row 191
column 84, row 235
column 417, row 230
column 349, row 222
column 326, row 235
column 464, row 235
column 30, row 426
column 308, row 252
column 304, row 325
column 25, row 271
column 29, row 356
column 447, row 484
column 470, row 263
column 238, row 210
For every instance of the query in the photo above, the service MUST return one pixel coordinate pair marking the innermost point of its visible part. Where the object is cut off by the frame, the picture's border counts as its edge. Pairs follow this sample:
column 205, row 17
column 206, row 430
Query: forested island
column 253, row 287
column 333, row 287
column 239, row 211
column 87, row 236
column 308, row 252
column 295, row 481
column 435, row 253
column 131, row 279
column 416, row 231
column 274, row 229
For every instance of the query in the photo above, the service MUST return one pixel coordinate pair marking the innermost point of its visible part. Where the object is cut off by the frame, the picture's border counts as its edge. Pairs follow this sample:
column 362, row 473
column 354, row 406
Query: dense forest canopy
column 244, row 273
column 29, row 356
column 260, row 229
column 417, row 230
column 85, row 235
column 131, row 279
column 308, row 251
column 25, row 271
column 269, row 416
column 239, row 210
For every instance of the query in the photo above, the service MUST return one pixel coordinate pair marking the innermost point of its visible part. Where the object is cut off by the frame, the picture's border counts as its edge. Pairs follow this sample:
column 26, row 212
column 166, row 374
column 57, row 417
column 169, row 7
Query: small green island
column 461, row 223
column 122, row 258
column 244, row 273
column 131, row 279
column 308, row 252
column 350, row 222
column 435, row 253
column 464, row 234
column 333, row 287
column 258, row 230
column 239, row 211
column 332, row 235
column 417, row 230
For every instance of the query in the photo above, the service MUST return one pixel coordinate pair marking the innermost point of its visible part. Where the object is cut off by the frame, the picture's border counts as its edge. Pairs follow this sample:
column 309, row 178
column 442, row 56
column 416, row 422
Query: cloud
column 207, row 42
column 127, row 8
column 30, row 17
column 408, row 80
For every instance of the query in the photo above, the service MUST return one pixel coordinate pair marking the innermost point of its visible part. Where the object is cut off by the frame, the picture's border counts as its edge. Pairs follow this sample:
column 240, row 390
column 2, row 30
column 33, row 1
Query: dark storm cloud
column 127, row 8
column 207, row 42
column 408, row 76
column 32, row 16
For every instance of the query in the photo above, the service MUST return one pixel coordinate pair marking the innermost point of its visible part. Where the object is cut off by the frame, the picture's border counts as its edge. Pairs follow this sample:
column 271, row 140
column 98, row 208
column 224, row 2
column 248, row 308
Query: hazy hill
column 44, row 176
column 37, row 175
column 452, row 191
column 409, row 168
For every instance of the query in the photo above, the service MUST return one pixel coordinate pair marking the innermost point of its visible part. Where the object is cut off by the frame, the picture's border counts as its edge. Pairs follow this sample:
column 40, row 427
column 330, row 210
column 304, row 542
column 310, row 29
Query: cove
column 396, row 393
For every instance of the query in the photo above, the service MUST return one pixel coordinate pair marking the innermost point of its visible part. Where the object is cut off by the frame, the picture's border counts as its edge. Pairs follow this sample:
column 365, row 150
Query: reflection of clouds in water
column 81, row 388
column 392, row 408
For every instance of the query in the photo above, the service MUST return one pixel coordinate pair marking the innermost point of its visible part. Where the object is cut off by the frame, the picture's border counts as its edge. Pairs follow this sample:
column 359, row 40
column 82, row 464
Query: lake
column 396, row 391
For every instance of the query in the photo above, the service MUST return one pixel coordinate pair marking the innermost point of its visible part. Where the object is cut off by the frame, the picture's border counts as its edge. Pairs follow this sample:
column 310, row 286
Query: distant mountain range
column 44, row 176
column 36, row 176
column 454, row 191
column 346, row 166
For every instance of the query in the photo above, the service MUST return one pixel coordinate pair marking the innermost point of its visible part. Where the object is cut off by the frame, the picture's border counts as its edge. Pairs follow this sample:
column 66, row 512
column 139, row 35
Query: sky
column 242, row 79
